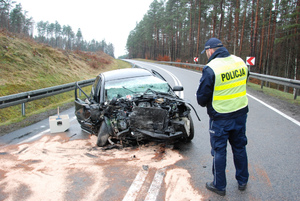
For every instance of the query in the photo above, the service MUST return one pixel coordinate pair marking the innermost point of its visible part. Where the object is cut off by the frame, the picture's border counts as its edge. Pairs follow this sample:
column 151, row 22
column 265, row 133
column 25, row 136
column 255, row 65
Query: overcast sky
column 111, row 20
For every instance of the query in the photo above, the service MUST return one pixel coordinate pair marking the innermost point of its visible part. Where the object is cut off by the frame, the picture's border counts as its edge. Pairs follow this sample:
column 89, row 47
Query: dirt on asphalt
column 56, row 168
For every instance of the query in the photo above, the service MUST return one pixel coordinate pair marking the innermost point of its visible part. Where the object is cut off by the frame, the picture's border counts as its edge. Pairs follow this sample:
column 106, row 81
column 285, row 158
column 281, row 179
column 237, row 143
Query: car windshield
column 126, row 88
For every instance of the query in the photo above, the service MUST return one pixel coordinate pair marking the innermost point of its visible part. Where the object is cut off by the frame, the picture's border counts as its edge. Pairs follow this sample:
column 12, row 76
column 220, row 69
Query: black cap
column 212, row 43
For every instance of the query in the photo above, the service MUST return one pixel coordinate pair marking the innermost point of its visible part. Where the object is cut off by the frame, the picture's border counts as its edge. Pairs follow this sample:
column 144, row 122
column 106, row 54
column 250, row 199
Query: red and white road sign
column 250, row 61
column 195, row 59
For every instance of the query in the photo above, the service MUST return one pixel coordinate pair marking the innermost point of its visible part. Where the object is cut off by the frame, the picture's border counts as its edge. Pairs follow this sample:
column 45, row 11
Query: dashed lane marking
column 155, row 185
column 136, row 186
column 138, row 182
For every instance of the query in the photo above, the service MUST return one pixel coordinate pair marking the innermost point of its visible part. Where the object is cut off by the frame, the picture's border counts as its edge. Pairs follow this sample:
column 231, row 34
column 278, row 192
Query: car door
column 83, row 107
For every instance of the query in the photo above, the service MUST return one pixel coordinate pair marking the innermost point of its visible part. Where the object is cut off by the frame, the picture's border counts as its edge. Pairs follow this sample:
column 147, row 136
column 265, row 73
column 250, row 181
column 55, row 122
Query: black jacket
column 206, row 87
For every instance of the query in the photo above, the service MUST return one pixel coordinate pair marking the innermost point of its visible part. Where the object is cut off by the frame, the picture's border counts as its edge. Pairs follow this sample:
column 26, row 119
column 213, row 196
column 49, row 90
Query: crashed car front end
column 151, row 117
column 136, row 110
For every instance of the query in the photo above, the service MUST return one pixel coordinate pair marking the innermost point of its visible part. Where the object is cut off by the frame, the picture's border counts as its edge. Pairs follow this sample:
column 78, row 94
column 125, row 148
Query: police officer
column 222, row 90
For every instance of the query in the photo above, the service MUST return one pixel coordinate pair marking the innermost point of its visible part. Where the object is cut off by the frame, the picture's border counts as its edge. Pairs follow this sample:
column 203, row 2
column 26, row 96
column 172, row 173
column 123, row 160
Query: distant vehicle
column 134, row 105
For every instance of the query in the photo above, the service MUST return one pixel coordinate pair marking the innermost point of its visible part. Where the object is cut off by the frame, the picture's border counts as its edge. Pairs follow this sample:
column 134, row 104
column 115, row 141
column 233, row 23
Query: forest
column 14, row 19
column 176, row 30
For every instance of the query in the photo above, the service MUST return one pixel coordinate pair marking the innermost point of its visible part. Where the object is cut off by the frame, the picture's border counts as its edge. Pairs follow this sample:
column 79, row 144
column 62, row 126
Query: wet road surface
column 38, row 165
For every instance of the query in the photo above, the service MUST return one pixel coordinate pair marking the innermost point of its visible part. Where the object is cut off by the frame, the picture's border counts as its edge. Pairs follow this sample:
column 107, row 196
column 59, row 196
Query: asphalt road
column 33, row 159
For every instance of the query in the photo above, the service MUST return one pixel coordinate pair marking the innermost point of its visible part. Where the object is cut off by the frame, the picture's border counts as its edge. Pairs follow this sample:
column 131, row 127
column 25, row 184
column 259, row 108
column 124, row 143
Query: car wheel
column 191, row 136
column 103, row 135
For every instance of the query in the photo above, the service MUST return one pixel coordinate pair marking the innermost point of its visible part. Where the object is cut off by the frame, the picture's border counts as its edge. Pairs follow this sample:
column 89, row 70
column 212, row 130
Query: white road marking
column 41, row 133
column 35, row 136
column 175, row 79
column 265, row 104
column 155, row 185
column 136, row 186
column 275, row 110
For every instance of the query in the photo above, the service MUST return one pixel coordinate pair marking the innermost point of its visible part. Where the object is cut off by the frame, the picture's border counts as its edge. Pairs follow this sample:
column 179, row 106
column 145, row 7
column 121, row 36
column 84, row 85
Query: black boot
column 242, row 187
column 210, row 186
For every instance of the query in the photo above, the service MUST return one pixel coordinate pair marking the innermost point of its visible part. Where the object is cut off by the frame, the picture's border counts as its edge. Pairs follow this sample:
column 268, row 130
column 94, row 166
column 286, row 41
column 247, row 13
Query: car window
column 126, row 88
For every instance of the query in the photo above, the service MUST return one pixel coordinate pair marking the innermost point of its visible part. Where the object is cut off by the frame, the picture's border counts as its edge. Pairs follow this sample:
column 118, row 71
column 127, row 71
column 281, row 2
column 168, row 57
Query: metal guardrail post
column 23, row 109
column 296, row 93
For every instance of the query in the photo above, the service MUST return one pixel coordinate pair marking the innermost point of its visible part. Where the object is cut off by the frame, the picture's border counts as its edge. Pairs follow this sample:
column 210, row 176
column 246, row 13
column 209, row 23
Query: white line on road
column 175, row 79
column 136, row 186
column 265, row 104
column 275, row 110
column 35, row 136
column 272, row 108
column 40, row 134
column 155, row 185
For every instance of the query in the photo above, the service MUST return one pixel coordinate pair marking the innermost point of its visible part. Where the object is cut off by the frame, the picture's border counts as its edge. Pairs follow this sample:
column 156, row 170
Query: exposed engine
column 148, row 116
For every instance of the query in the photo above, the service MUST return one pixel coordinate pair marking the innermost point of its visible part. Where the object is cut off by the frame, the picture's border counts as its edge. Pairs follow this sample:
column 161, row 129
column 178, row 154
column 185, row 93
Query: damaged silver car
column 134, row 105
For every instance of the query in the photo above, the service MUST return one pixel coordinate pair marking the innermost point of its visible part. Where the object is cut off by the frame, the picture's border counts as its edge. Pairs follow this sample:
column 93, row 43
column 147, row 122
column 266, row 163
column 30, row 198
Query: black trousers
column 234, row 131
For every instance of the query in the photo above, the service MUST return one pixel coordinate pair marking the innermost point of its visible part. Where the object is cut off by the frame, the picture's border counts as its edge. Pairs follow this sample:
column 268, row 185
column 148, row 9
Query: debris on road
column 57, row 168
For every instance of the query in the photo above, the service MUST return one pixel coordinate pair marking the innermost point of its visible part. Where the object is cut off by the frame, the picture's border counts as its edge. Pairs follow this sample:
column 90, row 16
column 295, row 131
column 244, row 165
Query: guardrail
column 24, row 97
column 268, row 78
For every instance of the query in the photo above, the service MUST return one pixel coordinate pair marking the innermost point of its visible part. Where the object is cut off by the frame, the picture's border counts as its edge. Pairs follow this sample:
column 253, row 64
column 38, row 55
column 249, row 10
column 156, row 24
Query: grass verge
column 288, row 97
column 12, row 116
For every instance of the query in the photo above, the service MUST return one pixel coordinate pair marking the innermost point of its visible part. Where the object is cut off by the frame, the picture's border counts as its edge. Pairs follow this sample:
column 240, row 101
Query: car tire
column 191, row 136
column 103, row 135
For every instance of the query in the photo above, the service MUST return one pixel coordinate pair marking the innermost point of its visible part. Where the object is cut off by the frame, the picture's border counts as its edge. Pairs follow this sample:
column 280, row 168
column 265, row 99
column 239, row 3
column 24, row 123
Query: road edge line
column 275, row 110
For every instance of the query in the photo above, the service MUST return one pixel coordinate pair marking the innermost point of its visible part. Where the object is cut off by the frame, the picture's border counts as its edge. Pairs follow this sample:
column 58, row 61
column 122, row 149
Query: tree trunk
column 199, row 28
column 178, row 54
column 297, row 41
column 157, row 42
column 191, row 35
column 243, row 28
column 256, row 28
column 252, row 30
column 236, row 25
column 268, row 41
column 273, row 38
column 221, row 20
column 176, row 44
column 214, row 21
column 262, row 38
column 230, row 33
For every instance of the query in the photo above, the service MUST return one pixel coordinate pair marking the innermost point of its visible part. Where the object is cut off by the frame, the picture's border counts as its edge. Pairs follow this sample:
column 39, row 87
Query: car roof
column 125, row 73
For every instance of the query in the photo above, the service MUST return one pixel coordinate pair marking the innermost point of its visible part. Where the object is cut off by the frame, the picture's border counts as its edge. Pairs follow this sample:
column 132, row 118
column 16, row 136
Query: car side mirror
column 178, row 88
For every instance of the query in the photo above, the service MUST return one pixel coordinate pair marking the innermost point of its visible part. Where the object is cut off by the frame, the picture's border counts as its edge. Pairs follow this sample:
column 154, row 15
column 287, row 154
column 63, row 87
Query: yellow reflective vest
column 231, row 75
